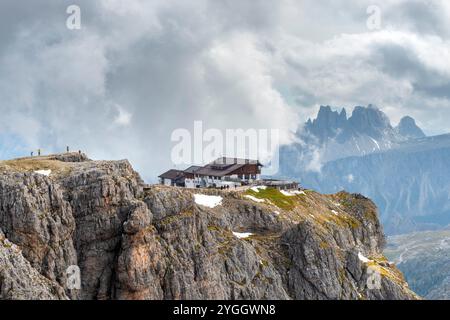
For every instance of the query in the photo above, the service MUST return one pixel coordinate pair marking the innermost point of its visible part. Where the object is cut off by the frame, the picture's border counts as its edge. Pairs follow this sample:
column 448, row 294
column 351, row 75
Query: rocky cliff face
column 136, row 242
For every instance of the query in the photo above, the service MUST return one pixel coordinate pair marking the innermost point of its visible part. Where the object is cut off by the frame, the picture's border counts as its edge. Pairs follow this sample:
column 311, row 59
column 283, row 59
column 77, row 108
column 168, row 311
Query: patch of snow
column 292, row 193
column 242, row 235
column 376, row 142
column 257, row 188
column 363, row 259
column 208, row 201
column 335, row 212
column 44, row 172
column 287, row 193
column 254, row 199
column 357, row 145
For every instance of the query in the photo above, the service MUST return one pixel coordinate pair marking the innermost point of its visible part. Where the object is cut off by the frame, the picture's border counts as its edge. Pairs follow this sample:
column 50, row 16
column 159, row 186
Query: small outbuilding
column 174, row 178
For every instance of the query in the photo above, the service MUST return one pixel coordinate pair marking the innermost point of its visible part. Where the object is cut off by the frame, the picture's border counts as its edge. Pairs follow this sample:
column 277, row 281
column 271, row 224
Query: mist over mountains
column 401, row 169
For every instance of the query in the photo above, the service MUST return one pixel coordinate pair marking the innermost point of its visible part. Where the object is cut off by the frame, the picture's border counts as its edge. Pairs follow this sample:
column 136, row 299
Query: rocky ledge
column 132, row 241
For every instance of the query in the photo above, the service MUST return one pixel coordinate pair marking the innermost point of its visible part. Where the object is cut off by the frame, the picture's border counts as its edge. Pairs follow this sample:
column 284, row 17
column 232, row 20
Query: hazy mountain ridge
column 409, row 184
column 406, row 174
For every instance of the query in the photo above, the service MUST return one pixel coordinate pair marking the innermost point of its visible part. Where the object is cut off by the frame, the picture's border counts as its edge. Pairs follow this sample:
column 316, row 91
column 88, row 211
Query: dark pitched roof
column 229, row 161
column 192, row 169
column 209, row 170
column 224, row 166
column 172, row 175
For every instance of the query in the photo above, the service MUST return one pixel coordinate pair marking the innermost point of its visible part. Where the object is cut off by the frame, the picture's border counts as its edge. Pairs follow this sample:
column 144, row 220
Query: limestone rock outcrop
column 132, row 241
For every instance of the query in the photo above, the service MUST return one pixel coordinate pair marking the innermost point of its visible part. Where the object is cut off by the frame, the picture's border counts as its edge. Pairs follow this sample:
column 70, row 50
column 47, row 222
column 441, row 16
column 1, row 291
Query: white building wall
column 190, row 183
column 206, row 182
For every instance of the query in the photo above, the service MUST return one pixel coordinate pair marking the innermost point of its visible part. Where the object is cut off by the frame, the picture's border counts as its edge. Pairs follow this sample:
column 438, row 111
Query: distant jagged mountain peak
column 333, row 135
column 327, row 124
column 370, row 121
column 409, row 129
column 367, row 121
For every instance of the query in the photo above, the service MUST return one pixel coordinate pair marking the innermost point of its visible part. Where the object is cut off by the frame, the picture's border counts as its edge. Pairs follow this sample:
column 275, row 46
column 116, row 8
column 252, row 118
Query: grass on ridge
column 34, row 164
column 275, row 197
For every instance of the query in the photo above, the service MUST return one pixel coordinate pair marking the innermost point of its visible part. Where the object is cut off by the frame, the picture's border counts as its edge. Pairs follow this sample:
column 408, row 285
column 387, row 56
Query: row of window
column 245, row 177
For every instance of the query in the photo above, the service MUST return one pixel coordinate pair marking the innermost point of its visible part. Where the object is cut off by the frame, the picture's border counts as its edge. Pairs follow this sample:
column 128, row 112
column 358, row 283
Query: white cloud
column 248, row 64
column 123, row 117
column 313, row 160
column 350, row 178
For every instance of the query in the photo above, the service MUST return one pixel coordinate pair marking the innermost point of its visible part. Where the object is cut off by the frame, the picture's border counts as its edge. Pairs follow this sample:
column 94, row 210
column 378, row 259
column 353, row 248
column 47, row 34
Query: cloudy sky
column 139, row 69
